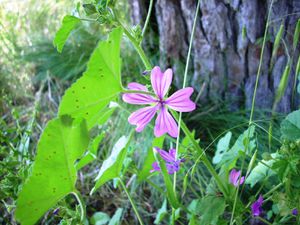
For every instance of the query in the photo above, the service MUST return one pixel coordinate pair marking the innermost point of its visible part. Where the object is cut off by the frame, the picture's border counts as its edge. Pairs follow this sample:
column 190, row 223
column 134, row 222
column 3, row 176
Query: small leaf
column 210, row 208
column 112, row 166
column 116, row 219
column 101, row 83
column 276, row 44
column 296, row 34
column 161, row 213
column 91, row 154
column 150, row 159
column 89, row 9
column 222, row 147
column 283, row 82
column 61, row 36
column 290, row 126
column 53, row 175
column 100, row 218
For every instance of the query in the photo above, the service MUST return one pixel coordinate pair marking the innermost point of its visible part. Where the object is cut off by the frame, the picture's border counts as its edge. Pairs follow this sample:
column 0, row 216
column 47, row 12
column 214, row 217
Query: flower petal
column 165, row 124
column 161, row 81
column 155, row 167
column 142, row 117
column 136, row 98
column 180, row 100
column 165, row 155
column 172, row 153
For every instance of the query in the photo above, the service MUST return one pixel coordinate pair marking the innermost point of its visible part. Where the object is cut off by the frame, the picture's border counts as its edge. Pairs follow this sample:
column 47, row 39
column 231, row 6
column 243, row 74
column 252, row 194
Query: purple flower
column 256, row 206
column 169, row 157
column 179, row 101
column 295, row 211
column 235, row 176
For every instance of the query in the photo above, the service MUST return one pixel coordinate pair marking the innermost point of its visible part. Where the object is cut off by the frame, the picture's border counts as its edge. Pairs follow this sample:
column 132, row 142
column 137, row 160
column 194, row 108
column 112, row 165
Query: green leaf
column 222, row 147
column 91, row 154
column 290, row 126
column 53, row 175
column 101, row 83
column 116, row 219
column 161, row 213
column 210, row 208
column 150, row 159
column 100, row 218
column 61, row 36
column 261, row 171
column 112, row 166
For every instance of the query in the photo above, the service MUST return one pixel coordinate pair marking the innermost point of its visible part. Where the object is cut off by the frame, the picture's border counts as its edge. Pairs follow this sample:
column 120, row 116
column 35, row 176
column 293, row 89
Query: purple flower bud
column 295, row 211
column 256, row 206
column 234, row 177
column 55, row 211
column 146, row 72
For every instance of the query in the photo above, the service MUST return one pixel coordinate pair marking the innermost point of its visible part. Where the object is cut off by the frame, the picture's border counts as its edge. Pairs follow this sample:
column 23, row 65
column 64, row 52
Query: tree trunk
column 226, row 48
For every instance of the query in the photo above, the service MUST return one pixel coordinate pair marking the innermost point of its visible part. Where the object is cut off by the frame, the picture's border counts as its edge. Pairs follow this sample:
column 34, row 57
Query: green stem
column 253, row 104
column 132, row 202
column 148, row 17
column 183, row 86
column 136, row 45
column 202, row 156
column 260, row 64
column 81, row 204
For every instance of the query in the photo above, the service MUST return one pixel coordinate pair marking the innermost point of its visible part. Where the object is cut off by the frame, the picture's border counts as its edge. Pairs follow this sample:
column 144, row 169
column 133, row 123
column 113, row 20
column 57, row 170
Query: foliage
column 91, row 116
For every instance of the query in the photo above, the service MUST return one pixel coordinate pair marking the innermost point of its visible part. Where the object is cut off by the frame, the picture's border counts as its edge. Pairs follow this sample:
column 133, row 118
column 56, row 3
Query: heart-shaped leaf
column 53, row 175
column 101, row 83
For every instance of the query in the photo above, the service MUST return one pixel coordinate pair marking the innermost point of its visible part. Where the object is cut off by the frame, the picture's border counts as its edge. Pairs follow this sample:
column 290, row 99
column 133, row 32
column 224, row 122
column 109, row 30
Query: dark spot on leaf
column 83, row 87
column 73, row 92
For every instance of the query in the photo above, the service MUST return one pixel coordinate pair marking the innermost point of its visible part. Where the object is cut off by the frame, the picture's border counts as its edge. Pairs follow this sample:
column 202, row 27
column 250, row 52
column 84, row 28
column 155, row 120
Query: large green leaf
column 150, row 159
column 112, row 166
column 61, row 36
column 210, row 208
column 101, row 82
column 53, row 175
column 290, row 126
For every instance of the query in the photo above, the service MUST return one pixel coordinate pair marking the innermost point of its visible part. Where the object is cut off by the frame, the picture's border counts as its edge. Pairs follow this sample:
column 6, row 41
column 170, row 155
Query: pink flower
column 234, row 177
column 179, row 101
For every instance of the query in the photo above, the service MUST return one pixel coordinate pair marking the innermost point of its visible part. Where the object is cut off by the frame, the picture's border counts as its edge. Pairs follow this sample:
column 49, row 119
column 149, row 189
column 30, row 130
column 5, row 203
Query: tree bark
column 226, row 47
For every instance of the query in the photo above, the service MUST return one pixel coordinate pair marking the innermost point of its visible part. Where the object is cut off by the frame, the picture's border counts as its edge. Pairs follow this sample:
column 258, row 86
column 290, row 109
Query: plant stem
column 202, row 156
column 260, row 64
column 132, row 202
column 253, row 105
column 136, row 45
column 148, row 17
column 183, row 86
column 81, row 204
